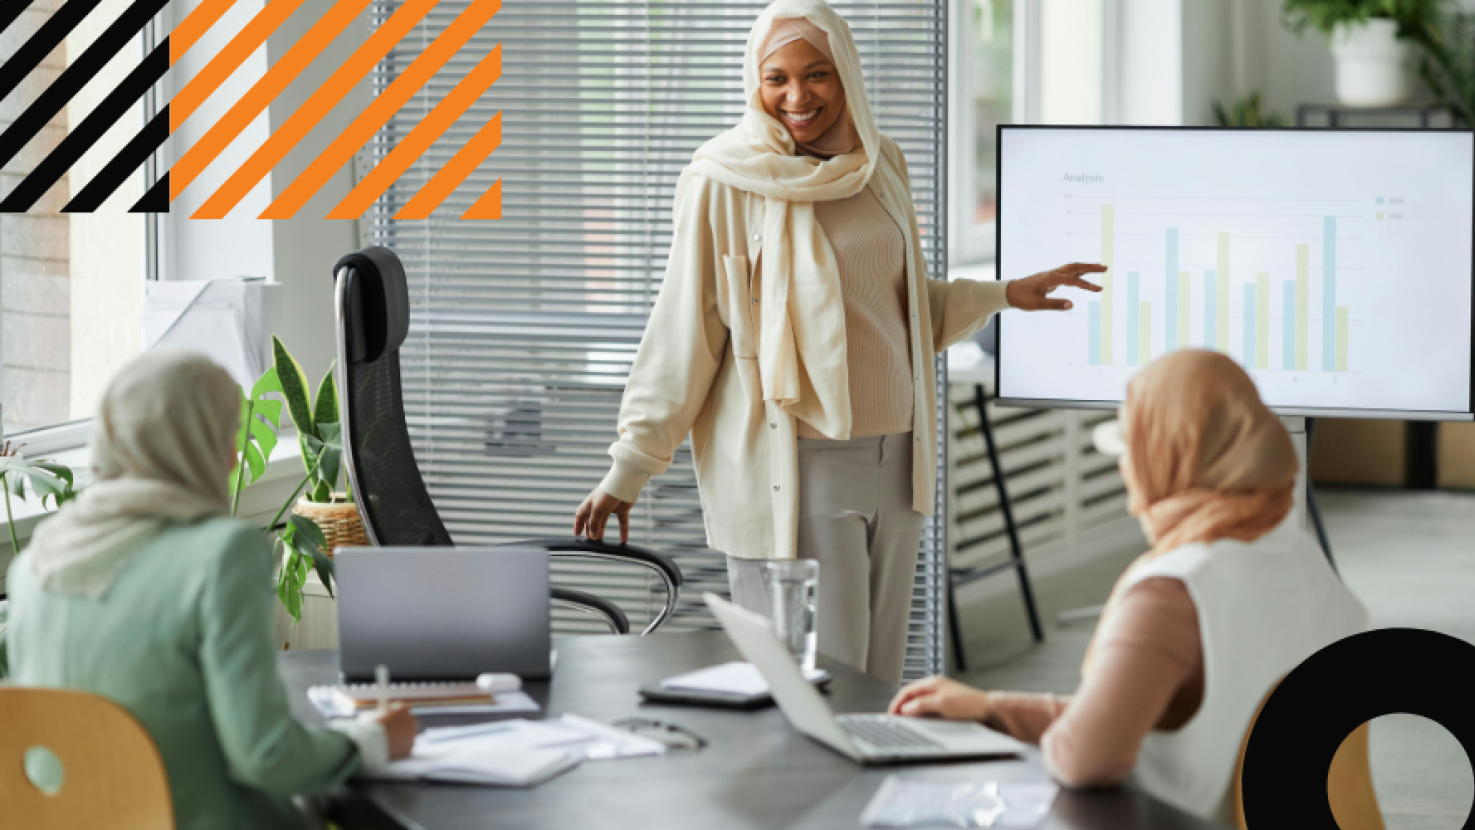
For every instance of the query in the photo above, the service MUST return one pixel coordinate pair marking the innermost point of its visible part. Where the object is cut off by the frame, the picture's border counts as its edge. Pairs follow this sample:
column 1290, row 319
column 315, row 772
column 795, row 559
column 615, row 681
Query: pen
column 381, row 680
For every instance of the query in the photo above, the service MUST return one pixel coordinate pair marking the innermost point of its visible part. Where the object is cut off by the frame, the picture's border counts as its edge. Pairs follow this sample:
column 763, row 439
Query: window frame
column 73, row 435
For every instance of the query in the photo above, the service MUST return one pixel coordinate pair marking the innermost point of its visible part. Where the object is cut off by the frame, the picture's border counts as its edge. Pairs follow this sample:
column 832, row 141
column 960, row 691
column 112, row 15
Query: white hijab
column 803, row 313
column 159, row 455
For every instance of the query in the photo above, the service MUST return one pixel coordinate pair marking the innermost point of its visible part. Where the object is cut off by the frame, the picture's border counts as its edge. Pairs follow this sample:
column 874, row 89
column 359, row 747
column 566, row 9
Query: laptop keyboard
column 887, row 734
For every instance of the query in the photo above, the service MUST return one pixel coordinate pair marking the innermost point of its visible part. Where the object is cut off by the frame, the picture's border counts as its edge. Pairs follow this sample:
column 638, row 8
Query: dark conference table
column 756, row 771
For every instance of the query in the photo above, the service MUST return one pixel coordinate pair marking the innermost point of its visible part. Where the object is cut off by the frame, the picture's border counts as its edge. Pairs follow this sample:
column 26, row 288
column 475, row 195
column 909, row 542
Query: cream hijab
column 1205, row 459
column 803, row 313
column 159, row 455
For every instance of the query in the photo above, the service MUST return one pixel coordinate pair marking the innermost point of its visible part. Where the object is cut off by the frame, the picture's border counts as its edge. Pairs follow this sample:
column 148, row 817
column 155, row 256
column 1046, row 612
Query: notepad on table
column 735, row 678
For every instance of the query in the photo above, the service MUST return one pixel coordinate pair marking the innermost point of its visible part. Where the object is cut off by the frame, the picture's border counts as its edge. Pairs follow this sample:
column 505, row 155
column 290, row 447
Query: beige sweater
column 871, row 254
column 697, row 367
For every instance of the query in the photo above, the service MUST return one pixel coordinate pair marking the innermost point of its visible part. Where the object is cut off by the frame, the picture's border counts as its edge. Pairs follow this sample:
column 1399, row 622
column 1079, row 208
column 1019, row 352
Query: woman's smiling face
column 801, row 88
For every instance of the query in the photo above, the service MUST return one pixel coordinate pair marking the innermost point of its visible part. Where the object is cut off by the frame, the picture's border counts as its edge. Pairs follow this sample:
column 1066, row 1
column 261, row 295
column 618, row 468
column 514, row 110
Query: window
column 523, row 329
column 71, row 285
column 1015, row 61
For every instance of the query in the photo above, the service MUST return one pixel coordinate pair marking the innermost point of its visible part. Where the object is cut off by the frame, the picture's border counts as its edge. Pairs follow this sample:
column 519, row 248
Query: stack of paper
column 513, row 752
column 493, row 763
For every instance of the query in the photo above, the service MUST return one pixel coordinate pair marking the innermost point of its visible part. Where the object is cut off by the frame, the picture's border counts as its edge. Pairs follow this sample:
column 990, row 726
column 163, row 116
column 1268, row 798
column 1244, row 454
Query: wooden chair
column 71, row 759
column 1349, row 786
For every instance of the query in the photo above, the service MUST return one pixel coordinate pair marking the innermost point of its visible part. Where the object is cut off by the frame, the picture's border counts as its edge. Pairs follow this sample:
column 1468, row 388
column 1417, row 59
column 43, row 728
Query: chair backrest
column 373, row 318
column 1349, row 785
column 71, row 759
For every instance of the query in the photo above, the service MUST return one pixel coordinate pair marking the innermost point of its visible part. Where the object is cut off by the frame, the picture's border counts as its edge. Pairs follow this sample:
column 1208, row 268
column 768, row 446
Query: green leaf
column 325, row 409
column 308, row 540
column 260, row 418
column 45, row 482
column 289, row 582
column 294, row 387
column 326, row 456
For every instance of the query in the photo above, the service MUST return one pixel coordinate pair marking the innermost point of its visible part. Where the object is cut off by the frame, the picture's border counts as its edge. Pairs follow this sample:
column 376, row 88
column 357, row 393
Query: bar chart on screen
column 1337, row 267
column 1256, row 279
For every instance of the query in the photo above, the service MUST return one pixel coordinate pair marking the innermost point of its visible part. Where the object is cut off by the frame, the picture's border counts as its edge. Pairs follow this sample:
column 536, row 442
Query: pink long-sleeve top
column 1147, row 674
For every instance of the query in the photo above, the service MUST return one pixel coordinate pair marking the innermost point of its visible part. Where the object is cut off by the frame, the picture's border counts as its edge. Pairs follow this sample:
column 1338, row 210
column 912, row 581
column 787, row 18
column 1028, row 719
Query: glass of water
column 792, row 587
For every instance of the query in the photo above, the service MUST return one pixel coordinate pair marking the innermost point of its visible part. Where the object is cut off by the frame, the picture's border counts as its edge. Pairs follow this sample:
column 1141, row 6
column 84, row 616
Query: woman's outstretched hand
column 1033, row 293
column 595, row 511
column 939, row 697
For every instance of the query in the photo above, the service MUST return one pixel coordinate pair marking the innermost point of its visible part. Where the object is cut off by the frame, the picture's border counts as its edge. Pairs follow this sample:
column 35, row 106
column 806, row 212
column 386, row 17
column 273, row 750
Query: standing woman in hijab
column 1199, row 629
column 145, row 591
column 794, row 338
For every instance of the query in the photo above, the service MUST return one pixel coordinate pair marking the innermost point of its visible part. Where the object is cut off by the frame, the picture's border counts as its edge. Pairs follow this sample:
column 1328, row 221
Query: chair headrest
column 383, row 297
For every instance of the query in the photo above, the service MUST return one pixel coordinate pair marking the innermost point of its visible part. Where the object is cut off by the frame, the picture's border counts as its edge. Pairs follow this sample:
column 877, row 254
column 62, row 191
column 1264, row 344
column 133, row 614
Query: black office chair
column 372, row 306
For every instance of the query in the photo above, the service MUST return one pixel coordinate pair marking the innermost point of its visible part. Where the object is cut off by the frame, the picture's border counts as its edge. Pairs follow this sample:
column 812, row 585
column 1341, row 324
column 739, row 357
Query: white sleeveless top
column 1263, row 607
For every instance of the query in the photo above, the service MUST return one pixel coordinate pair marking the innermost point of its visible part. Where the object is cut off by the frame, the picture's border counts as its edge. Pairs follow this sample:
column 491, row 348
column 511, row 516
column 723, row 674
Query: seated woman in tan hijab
column 1199, row 629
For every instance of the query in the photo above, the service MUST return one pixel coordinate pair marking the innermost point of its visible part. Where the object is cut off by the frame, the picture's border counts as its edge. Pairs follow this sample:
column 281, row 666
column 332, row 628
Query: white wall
column 1149, row 58
column 1289, row 70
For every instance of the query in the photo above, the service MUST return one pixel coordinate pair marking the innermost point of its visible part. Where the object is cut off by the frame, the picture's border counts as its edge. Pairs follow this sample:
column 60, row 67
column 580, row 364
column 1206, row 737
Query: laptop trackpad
column 964, row 735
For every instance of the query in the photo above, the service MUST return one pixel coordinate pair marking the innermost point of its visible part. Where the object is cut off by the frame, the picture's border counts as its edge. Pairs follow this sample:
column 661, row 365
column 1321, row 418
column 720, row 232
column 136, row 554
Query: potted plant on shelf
column 1372, row 43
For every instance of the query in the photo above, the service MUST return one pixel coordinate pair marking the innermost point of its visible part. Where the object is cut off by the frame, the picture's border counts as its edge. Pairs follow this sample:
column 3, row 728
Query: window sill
column 258, row 504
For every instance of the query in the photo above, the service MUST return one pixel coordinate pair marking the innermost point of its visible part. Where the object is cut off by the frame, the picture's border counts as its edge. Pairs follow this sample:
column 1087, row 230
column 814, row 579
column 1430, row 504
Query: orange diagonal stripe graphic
column 385, row 105
column 417, row 141
column 318, row 104
column 489, row 206
column 456, row 170
column 227, row 60
column 195, row 24
column 262, row 93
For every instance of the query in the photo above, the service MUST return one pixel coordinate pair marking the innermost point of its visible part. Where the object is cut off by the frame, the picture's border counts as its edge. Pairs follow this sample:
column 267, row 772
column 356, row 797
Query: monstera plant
column 300, row 540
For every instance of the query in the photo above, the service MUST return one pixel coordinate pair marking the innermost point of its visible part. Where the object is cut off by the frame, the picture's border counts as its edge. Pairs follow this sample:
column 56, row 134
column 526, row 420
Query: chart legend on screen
column 1334, row 266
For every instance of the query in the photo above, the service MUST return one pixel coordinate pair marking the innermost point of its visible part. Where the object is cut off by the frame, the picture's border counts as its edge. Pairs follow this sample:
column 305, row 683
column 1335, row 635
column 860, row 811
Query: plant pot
column 1372, row 63
column 339, row 520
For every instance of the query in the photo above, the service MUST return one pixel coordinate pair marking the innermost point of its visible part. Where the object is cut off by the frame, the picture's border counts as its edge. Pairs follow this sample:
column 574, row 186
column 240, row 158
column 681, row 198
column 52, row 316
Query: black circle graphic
column 1381, row 672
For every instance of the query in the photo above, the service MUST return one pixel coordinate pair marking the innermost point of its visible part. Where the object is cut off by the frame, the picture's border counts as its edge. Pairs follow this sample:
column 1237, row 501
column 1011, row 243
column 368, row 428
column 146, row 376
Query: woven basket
column 339, row 520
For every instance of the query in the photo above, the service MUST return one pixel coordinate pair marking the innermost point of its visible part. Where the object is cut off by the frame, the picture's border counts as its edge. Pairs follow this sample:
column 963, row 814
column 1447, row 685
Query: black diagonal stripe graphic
column 150, row 138
column 156, row 200
column 50, row 102
column 10, row 11
column 87, row 133
column 39, row 45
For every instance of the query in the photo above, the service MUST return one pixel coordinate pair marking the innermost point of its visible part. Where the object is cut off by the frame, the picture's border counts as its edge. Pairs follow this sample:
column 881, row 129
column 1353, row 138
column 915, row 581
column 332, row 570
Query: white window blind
column 523, row 329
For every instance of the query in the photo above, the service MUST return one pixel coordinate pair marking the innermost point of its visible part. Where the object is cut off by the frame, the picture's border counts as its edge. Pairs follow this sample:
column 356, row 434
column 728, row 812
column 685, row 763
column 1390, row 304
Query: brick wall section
column 35, row 289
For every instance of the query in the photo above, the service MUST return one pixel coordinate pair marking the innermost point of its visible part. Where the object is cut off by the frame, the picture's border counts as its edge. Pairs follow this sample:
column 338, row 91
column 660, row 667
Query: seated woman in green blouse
column 143, row 590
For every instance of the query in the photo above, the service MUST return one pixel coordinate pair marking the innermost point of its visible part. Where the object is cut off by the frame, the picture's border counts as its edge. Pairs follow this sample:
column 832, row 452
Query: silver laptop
column 442, row 613
column 868, row 738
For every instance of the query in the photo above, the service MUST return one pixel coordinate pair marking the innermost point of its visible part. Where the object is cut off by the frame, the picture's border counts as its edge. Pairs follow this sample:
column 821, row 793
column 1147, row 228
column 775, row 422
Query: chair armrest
column 573, row 546
column 590, row 604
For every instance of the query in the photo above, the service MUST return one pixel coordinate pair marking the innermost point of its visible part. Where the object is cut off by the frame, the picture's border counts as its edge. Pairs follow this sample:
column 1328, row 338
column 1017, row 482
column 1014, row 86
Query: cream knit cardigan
column 698, row 367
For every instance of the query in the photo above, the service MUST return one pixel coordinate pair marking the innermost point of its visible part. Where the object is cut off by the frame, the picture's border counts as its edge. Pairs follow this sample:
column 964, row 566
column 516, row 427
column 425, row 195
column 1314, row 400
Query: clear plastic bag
column 967, row 804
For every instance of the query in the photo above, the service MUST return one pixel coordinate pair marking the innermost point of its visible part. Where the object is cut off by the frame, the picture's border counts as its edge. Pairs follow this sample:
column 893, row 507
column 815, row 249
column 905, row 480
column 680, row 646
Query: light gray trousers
column 855, row 519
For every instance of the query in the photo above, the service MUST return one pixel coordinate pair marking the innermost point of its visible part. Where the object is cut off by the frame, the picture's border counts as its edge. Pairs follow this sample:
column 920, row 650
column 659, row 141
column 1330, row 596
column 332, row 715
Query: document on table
column 736, row 678
column 586, row 739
